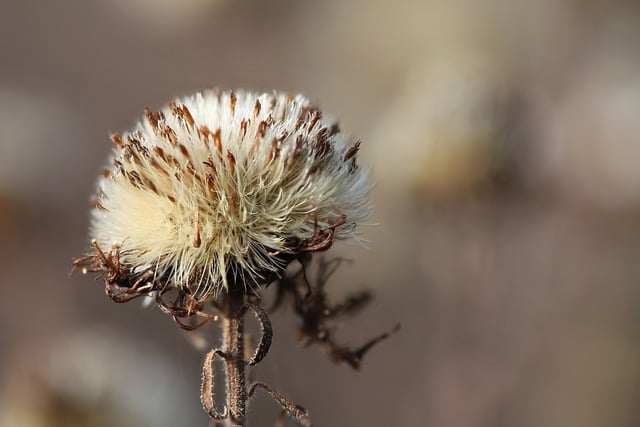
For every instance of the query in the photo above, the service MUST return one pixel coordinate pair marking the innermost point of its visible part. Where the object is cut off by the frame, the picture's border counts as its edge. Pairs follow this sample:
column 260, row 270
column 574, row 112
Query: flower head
column 224, row 189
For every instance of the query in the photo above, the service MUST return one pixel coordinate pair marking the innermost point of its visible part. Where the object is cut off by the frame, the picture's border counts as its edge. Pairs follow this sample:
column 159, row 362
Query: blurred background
column 504, row 140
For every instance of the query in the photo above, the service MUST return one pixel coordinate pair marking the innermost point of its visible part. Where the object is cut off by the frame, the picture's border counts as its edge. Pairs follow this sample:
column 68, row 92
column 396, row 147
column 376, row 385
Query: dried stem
column 233, row 347
column 310, row 302
column 232, row 310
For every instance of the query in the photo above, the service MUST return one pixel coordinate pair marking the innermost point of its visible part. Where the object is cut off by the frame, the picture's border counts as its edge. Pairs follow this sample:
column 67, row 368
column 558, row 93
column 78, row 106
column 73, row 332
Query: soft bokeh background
column 504, row 139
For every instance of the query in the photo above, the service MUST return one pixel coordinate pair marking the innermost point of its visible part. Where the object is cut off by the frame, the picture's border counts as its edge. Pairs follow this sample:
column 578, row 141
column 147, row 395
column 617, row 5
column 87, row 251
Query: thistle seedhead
column 222, row 190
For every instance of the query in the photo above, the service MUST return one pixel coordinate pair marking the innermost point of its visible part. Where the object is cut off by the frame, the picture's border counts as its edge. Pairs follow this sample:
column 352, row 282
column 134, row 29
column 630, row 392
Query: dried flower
column 222, row 190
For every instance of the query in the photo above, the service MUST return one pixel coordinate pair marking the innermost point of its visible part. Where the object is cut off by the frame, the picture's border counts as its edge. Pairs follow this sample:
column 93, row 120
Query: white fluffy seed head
column 224, row 189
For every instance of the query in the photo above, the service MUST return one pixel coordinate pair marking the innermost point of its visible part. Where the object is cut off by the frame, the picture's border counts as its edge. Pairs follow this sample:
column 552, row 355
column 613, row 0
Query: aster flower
column 222, row 190
column 212, row 197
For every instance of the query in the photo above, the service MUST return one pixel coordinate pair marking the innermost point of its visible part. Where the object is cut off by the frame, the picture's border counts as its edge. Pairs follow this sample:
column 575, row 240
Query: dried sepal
column 296, row 411
column 187, row 312
column 122, row 286
column 266, row 332
column 311, row 305
column 207, row 389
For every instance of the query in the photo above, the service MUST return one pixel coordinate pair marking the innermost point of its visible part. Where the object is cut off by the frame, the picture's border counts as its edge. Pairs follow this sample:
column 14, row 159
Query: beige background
column 503, row 137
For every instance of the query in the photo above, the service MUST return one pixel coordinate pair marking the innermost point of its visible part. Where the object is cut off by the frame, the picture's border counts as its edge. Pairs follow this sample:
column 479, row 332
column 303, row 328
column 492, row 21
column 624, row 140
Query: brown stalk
column 233, row 347
column 232, row 310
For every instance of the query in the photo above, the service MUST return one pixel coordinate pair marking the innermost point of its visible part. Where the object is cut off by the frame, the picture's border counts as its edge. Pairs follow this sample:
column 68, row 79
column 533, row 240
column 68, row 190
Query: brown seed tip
column 182, row 112
column 232, row 162
column 232, row 102
column 204, row 133
column 153, row 119
column 116, row 138
column 314, row 119
column 351, row 152
column 217, row 140
column 197, row 241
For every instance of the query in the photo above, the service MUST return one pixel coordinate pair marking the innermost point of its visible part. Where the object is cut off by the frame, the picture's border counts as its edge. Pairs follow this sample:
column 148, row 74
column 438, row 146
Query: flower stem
column 233, row 347
column 232, row 309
